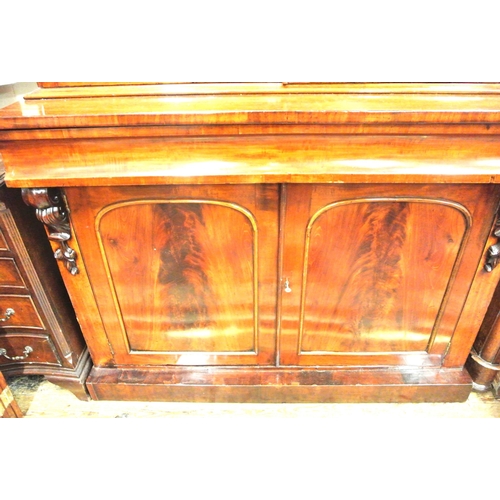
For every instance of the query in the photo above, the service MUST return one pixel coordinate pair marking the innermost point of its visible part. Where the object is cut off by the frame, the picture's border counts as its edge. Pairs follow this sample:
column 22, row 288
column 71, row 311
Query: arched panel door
column 377, row 275
column 185, row 275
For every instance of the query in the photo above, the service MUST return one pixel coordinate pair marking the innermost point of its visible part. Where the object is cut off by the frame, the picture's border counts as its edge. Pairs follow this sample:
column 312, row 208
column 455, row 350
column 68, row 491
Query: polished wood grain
column 379, row 275
column 180, row 282
column 182, row 275
column 308, row 105
column 387, row 294
column 280, row 129
column 245, row 385
column 41, row 399
column 269, row 159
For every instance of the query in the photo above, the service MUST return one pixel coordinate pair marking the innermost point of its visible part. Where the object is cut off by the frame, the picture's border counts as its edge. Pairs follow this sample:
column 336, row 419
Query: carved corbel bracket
column 493, row 255
column 50, row 210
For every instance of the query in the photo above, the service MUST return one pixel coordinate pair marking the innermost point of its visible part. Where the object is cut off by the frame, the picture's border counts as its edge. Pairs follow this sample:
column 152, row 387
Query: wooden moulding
column 251, row 160
column 279, row 385
column 258, row 104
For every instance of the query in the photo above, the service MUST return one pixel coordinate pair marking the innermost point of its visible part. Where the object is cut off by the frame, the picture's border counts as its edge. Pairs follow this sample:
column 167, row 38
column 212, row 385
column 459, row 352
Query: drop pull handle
column 27, row 351
column 287, row 286
column 493, row 255
column 9, row 312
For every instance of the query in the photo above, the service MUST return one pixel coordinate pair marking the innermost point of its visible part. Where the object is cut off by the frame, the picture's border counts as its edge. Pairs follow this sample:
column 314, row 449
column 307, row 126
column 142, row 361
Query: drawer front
column 18, row 311
column 3, row 242
column 26, row 349
column 10, row 276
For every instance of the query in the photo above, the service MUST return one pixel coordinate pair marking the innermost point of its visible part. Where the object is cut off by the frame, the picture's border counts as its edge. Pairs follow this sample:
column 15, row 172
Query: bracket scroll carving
column 493, row 255
column 51, row 211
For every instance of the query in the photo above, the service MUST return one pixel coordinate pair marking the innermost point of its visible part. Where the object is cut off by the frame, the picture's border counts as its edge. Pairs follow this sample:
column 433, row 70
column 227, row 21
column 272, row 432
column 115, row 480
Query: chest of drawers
column 268, row 242
column 39, row 333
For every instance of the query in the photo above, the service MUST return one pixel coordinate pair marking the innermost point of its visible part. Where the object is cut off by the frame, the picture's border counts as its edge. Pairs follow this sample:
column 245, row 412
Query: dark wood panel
column 180, row 281
column 375, row 276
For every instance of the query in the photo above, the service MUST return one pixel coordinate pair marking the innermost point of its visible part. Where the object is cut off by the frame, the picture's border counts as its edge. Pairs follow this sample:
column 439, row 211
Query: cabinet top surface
column 100, row 105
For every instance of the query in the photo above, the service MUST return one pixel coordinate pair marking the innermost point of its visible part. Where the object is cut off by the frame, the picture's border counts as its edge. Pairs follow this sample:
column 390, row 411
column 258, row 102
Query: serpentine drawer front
column 10, row 276
column 267, row 242
column 18, row 311
column 16, row 348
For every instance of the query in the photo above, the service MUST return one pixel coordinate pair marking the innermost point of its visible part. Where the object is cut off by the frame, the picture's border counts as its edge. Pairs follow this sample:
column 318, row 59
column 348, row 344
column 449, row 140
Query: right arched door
column 377, row 275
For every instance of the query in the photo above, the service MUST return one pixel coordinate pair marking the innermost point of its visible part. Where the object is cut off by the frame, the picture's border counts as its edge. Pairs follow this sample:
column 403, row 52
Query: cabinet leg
column 77, row 387
column 75, row 382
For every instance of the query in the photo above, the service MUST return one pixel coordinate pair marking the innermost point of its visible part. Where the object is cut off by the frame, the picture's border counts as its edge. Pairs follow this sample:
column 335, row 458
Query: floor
column 39, row 398
column 293, row 451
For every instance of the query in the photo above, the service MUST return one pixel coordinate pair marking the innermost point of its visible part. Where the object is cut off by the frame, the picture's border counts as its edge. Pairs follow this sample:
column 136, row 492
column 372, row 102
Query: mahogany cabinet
column 268, row 242
column 39, row 333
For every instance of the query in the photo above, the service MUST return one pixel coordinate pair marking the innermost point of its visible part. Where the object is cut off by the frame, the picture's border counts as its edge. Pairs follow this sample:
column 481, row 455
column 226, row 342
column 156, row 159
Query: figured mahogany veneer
column 268, row 242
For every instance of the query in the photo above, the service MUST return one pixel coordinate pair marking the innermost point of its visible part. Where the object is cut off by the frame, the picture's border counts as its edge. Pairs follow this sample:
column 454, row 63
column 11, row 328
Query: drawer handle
column 287, row 286
column 27, row 351
column 9, row 312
